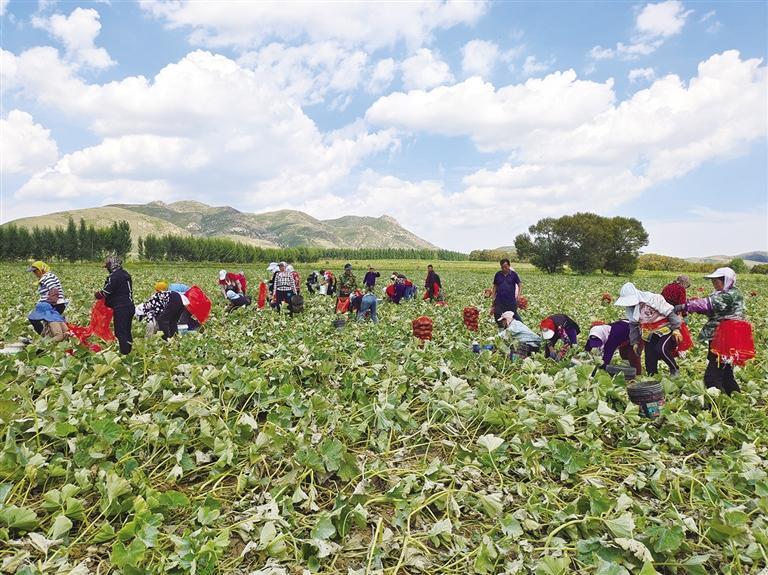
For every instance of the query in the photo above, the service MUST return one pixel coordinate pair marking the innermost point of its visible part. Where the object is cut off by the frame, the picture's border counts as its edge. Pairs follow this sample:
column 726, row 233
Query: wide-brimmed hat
column 628, row 296
column 222, row 274
column 721, row 273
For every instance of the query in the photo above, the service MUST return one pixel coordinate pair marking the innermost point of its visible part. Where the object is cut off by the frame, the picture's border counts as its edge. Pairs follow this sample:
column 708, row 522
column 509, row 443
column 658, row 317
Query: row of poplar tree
column 70, row 242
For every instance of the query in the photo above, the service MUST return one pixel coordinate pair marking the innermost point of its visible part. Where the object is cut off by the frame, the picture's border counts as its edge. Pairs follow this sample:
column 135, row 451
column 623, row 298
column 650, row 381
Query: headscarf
column 683, row 280
column 44, row 311
column 728, row 275
column 113, row 262
column 38, row 265
column 161, row 286
column 600, row 332
column 289, row 269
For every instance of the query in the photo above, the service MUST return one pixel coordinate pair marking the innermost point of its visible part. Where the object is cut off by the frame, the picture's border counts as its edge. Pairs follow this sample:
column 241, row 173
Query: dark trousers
column 660, row 347
column 282, row 296
column 168, row 320
column 123, row 320
column 720, row 375
column 499, row 307
column 38, row 324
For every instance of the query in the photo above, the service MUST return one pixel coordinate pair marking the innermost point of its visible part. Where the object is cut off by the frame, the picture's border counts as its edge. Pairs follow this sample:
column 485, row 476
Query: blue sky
column 466, row 121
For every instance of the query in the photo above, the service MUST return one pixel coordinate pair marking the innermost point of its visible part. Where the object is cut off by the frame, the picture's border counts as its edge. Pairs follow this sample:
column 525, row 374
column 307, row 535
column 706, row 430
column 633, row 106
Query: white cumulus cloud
column 25, row 147
column 370, row 24
column 479, row 57
column 77, row 32
column 637, row 74
column 424, row 70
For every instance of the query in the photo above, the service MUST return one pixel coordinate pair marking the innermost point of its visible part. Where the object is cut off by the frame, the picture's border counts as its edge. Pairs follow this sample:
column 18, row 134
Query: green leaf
column 105, row 533
column 331, row 451
column 61, row 526
column 131, row 555
column 172, row 499
column 648, row 569
column 20, row 518
column 553, row 566
column 666, row 539
column 622, row 526
column 323, row 529
column 610, row 568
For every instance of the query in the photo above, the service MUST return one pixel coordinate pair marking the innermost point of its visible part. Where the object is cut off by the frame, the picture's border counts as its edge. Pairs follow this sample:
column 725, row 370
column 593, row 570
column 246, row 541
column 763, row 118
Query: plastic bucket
column 648, row 395
column 627, row 371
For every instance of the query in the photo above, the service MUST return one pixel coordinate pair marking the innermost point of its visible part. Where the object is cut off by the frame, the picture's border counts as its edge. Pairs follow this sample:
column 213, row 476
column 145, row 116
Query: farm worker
column 609, row 338
column 654, row 321
column 330, row 282
column 296, row 277
column 396, row 289
column 725, row 303
column 236, row 300
column 410, row 289
column 168, row 319
column 49, row 290
column 272, row 268
column 313, row 282
column 369, row 281
column 236, row 280
column 505, row 291
column 53, row 323
column 368, row 305
column 555, row 328
column 117, row 294
column 432, row 285
column 154, row 306
column 284, row 287
column 674, row 292
column 527, row 341
column 347, row 282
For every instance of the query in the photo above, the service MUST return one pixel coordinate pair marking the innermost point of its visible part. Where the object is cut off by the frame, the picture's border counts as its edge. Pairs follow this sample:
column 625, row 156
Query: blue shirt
column 506, row 285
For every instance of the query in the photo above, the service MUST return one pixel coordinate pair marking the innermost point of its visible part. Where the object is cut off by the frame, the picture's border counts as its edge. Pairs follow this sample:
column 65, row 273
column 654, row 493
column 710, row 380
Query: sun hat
column 347, row 266
column 222, row 274
column 721, row 273
column 547, row 328
column 628, row 296
column 38, row 265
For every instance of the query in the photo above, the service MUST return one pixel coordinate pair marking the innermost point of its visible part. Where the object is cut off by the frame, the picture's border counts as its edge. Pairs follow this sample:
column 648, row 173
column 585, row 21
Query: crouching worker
column 522, row 340
column 236, row 300
column 154, row 306
column 54, row 326
column 368, row 305
column 610, row 338
column 559, row 327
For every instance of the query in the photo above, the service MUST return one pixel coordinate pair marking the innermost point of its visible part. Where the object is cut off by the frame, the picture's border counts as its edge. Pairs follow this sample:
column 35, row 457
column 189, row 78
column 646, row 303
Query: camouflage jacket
column 726, row 304
column 347, row 283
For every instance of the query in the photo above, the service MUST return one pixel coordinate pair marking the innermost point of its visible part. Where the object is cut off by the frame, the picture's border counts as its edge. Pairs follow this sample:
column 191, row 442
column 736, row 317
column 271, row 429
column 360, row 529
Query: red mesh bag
column 199, row 304
column 733, row 342
column 522, row 302
column 262, row 301
column 390, row 291
column 342, row 305
column 101, row 317
column 471, row 318
column 422, row 328
column 687, row 341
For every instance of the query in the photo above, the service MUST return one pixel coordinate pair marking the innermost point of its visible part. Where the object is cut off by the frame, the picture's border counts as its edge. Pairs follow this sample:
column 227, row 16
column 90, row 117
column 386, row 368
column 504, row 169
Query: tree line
column 70, row 242
column 196, row 249
column 584, row 242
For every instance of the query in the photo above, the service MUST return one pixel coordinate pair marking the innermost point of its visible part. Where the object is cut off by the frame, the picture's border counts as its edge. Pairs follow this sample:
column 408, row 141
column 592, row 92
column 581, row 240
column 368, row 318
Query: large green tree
column 545, row 247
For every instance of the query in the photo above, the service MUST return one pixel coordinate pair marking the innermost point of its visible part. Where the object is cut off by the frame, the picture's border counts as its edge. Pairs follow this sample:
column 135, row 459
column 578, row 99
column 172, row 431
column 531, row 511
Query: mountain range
column 283, row 228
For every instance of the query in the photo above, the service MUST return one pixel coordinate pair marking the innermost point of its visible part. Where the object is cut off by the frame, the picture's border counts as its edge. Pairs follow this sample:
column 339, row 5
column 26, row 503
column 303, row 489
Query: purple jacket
column 618, row 336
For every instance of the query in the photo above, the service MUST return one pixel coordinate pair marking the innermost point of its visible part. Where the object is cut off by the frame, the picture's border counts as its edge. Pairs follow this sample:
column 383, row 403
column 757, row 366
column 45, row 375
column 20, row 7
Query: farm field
column 271, row 445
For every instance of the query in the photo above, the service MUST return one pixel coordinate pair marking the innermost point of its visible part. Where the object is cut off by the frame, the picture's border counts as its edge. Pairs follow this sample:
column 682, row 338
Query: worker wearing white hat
column 654, row 322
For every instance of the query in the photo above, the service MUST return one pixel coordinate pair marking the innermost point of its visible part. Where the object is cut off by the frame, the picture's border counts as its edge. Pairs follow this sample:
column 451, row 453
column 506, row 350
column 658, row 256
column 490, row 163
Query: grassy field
column 272, row 445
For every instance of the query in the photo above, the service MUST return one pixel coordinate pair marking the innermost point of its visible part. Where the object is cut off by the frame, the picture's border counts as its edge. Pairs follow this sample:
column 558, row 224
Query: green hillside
column 283, row 228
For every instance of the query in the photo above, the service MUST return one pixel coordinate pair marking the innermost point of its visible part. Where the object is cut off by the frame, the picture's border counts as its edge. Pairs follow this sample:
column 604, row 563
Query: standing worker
column 117, row 294
column 284, row 287
column 369, row 281
column 49, row 291
column 433, row 287
column 654, row 321
column 505, row 291
column 724, row 304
